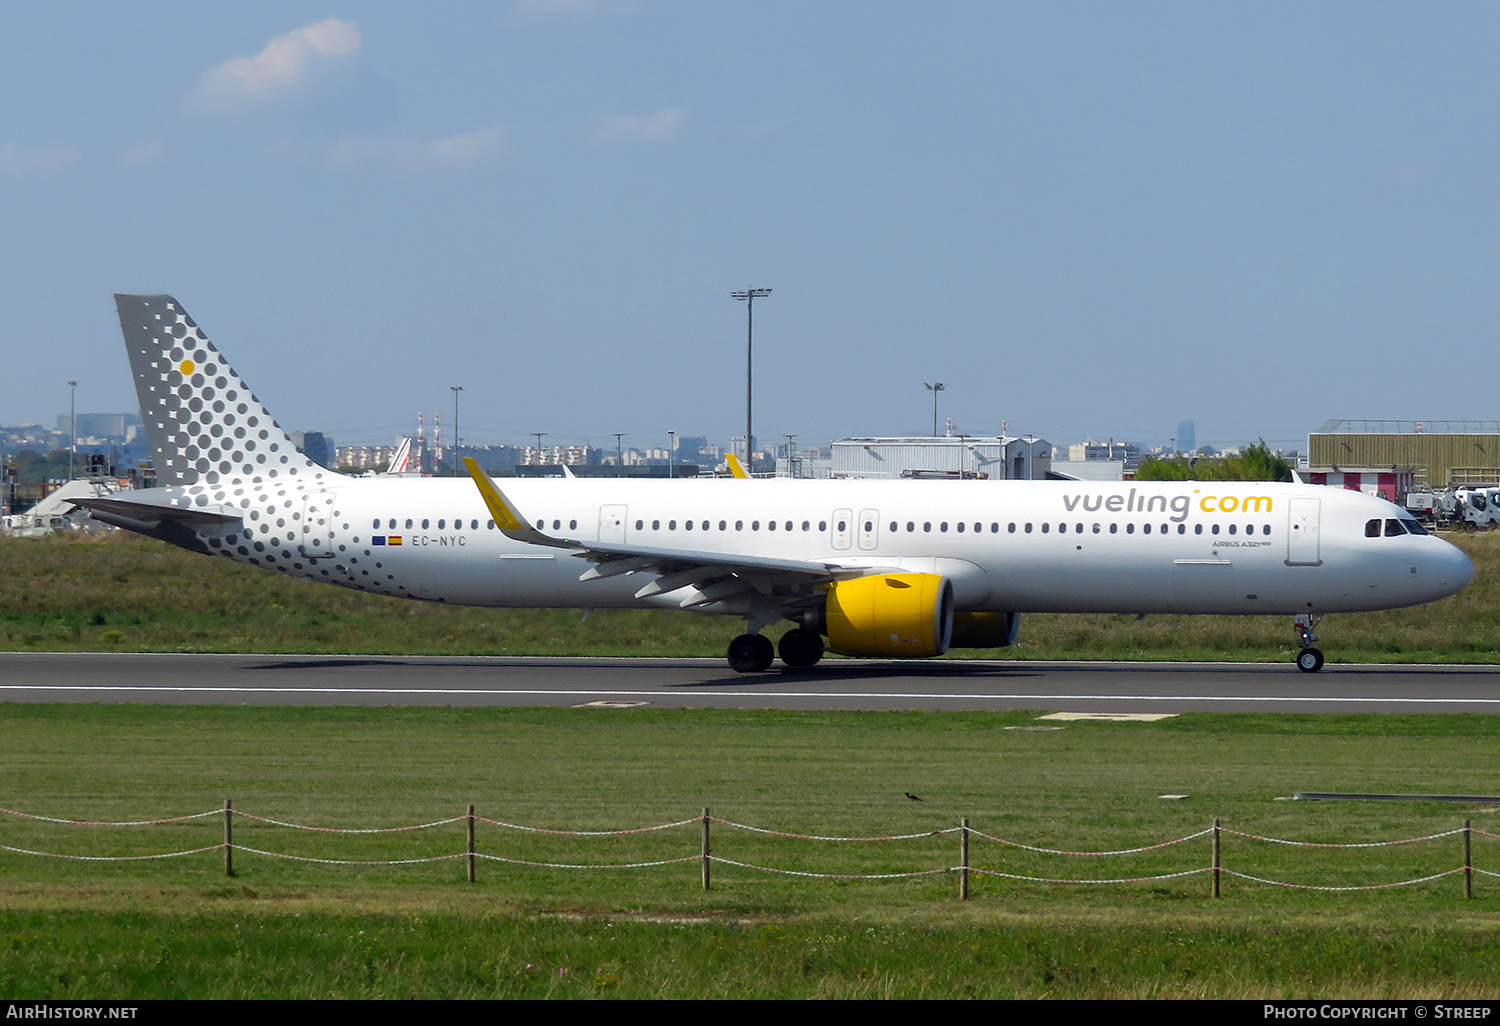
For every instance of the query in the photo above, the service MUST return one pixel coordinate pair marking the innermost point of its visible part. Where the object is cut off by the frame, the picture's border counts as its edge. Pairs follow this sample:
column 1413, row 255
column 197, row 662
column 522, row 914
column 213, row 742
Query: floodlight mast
column 748, row 297
column 934, row 387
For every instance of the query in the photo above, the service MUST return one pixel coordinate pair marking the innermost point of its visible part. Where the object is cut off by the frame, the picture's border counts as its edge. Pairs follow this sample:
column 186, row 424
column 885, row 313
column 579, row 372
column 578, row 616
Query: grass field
column 288, row 929
column 131, row 594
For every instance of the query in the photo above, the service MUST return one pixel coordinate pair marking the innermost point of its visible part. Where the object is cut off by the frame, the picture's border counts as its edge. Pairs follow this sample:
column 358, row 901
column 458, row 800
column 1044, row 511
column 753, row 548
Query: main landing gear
column 752, row 653
column 1309, row 659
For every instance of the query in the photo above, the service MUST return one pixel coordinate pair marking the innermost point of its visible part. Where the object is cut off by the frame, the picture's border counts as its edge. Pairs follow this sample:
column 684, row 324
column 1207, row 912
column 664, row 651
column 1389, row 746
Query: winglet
column 507, row 517
column 735, row 470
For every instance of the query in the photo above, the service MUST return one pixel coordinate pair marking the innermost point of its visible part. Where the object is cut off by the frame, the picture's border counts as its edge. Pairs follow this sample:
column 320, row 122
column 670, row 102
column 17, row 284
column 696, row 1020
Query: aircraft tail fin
column 401, row 461
column 204, row 424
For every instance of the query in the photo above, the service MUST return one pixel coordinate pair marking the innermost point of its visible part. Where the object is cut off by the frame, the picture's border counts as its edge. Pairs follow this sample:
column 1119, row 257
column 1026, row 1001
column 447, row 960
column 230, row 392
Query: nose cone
column 1449, row 570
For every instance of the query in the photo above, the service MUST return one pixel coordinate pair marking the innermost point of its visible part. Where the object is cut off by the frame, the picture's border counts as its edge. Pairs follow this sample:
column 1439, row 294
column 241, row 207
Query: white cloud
column 656, row 127
column 285, row 63
column 25, row 160
column 143, row 153
column 462, row 152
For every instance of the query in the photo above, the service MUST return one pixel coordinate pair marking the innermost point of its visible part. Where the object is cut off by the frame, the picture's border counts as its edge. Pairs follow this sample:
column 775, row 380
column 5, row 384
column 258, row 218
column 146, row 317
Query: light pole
column 538, row 435
column 791, row 455
column 72, row 425
column 456, row 389
column 934, row 387
column 671, row 444
column 619, row 453
column 748, row 297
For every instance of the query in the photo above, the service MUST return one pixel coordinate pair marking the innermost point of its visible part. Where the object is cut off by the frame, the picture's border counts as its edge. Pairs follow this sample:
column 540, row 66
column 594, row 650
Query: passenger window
column 671, row 525
column 1028, row 528
column 978, row 528
column 1197, row 528
column 1146, row 529
column 770, row 525
column 943, row 527
column 688, row 524
column 1046, row 528
column 1096, row 528
column 424, row 523
column 409, row 523
column 1078, row 529
column 755, row 525
column 823, row 525
column 377, row 525
column 572, row 525
column 1114, row 528
column 1266, row 529
column 491, row 524
column 723, row 525
column 1216, row 529
column 1130, row 529
column 639, row 524
column 1233, row 528
column 927, row 527
column 1182, row 528
column 995, row 528
column 556, row 525
column 807, row 525
column 960, row 527
column 868, row 526
column 893, row 526
column 656, row 525
column 1012, row 528
column 788, row 525
column 910, row 526
column 739, row 525
column 442, row 524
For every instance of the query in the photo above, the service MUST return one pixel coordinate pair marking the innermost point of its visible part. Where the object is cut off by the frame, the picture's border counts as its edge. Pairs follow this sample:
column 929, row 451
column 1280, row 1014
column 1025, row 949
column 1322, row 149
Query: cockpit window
column 1393, row 528
column 1372, row 528
column 1413, row 526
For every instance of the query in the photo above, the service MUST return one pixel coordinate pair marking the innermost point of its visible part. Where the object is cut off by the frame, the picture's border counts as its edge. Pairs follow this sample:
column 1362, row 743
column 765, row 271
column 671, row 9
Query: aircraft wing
column 711, row 576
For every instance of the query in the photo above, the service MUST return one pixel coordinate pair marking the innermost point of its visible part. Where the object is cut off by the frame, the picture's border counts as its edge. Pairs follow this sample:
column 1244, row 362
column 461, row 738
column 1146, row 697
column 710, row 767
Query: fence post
column 471, row 844
column 963, row 865
column 1468, row 865
column 705, row 850
column 1216, row 857
column 228, row 838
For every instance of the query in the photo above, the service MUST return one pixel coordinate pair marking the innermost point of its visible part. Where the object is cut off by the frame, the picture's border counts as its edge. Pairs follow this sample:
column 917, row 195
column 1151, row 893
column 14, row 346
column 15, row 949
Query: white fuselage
column 1007, row 546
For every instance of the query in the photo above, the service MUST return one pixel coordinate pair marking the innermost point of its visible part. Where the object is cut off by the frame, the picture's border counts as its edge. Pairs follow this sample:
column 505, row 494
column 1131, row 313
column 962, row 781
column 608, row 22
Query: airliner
column 881, row 569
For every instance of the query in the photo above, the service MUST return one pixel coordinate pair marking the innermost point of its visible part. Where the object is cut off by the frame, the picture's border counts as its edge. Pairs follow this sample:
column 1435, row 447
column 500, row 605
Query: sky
column 1086, row 219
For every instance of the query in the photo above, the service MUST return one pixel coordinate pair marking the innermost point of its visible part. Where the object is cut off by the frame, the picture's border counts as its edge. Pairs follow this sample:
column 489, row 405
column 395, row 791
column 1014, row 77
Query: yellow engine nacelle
column 985, row 630
column 893, row 615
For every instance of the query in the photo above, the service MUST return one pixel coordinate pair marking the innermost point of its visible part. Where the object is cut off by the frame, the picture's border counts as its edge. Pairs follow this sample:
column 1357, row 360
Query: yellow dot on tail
column 186, row 366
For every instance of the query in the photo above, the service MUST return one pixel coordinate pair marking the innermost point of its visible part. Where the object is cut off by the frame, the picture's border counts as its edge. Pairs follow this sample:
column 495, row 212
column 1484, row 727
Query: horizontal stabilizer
column 151, row 511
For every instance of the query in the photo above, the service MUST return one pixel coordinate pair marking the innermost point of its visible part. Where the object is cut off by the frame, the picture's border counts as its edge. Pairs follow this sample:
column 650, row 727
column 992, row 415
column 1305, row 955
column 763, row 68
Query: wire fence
column 957, row 840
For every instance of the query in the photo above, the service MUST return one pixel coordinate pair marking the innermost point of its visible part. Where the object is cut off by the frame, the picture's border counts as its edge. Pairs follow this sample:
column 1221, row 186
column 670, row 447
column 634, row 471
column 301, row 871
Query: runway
column 680, row 683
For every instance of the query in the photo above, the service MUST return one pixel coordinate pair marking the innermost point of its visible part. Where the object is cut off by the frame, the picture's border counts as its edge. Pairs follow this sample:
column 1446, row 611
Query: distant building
column 1187, row 436
column 1441, row 452
column 315, row 445
column 995, row 458
column 1129, row 452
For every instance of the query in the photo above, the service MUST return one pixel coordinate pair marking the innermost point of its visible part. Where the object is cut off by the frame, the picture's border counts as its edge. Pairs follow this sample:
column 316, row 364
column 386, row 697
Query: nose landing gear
column 1309, row 659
